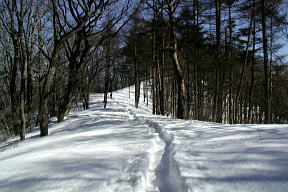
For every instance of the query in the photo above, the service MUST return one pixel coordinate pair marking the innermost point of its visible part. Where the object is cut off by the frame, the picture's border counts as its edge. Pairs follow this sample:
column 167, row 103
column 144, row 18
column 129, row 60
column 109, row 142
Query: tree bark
column 136, row 72
column 219, row 71
column 180, row 73
column 23, row 91
column 44, row 98
column 265, row 62
column 252, row 69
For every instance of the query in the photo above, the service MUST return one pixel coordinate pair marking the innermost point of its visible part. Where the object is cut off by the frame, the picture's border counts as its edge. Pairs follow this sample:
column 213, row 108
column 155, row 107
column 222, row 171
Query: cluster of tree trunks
column 227, row 83
column 208, row 60
column 54, row 42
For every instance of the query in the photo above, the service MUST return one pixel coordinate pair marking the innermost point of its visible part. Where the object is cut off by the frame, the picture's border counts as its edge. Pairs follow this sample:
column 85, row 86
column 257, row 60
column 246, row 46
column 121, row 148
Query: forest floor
column 125, row 149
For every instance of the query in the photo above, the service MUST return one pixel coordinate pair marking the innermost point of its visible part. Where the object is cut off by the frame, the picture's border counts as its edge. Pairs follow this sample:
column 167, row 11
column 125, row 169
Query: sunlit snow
column 124, row 149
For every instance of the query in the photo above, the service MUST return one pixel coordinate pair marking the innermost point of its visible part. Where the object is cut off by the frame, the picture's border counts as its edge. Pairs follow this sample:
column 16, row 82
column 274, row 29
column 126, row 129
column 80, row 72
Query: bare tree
column 20, row 19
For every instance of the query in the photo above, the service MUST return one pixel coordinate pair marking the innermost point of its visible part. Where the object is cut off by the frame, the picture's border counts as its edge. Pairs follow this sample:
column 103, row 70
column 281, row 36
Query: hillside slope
column 121, row 148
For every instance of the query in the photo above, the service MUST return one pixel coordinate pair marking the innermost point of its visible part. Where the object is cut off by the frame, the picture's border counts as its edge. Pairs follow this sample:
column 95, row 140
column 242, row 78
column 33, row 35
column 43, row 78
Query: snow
column 122, row 148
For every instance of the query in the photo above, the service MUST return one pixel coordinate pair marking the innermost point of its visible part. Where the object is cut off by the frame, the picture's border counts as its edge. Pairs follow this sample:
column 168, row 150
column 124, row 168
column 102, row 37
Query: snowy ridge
column 148, row 176
column 168, row 174
column 125, row 149
column 212, row 157
column 100, row 150
column 168, row 177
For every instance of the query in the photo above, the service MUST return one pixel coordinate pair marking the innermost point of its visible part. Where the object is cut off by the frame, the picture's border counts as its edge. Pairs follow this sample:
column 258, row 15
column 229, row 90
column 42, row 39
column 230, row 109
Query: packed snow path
column 94, row 150
column 215, row 157
column 168, row 178
column 126, row 149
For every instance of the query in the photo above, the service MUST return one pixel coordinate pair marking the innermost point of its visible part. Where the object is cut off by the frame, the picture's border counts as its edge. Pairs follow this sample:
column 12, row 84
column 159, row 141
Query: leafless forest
column 210, row 60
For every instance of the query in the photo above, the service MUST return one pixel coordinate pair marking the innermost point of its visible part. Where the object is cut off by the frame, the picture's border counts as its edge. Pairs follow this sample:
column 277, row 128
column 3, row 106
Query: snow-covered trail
column 165, row 174
column 125, row 149
column 94, row 150
column 211, row 157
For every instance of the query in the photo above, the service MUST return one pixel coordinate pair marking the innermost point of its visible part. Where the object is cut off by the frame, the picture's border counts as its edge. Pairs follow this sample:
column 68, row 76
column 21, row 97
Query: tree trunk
column 270, row 66
column 13, row 89
column 106, row 83
column 266, row 68
column 230, row 111
column 43, row 115
column 245, row 62
column 182, row 101
column 23, row 91
column 219, row 71
column 162, row 91
column 44, row 97
column 137, row 73
column 153, row 84
column 252, row 78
